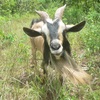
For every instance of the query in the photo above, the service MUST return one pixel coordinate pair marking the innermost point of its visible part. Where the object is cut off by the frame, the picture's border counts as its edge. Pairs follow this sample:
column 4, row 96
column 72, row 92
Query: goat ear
column 31, row 33
column 75, row 28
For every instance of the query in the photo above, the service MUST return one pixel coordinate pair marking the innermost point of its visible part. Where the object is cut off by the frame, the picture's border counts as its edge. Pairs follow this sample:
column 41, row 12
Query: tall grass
column 20, row 82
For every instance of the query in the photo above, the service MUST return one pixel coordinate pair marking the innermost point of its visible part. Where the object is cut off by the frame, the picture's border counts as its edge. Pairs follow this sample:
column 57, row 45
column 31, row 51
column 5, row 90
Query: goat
column 49, row 36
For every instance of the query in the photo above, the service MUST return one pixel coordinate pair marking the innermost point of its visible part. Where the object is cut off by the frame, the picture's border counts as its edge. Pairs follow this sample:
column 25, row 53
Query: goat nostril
column 55, row 46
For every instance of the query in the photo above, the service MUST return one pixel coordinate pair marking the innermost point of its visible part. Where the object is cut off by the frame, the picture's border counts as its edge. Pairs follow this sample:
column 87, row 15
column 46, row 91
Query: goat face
column 53, row 31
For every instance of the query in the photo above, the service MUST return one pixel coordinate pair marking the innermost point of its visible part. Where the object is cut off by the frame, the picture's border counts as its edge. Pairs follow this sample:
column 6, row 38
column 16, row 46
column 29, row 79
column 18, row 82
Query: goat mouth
column 57, row 52
column 58, row 55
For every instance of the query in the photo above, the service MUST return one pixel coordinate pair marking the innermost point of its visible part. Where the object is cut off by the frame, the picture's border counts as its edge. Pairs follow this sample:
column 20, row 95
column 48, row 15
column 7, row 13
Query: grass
column 20, row 82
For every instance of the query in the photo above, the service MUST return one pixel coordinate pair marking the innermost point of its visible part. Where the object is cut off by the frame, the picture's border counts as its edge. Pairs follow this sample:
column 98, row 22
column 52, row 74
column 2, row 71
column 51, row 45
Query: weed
column 20, row 82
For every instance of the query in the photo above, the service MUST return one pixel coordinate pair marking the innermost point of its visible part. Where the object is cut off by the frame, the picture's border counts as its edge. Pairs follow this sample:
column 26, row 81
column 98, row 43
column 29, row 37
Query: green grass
column 20, row 82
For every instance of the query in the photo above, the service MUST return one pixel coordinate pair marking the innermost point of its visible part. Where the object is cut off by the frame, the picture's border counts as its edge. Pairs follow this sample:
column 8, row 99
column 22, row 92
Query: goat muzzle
column 56, row 47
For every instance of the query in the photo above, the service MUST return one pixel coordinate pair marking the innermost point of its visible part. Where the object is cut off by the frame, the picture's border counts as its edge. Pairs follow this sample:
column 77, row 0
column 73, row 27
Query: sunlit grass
column 20, row 82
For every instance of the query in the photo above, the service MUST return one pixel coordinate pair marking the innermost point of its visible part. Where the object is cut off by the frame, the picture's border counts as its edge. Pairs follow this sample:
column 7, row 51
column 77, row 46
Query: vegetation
column 20, row 82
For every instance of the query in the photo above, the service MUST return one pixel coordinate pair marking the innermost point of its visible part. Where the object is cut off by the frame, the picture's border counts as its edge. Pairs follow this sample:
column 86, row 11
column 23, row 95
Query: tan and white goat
column 49, row 36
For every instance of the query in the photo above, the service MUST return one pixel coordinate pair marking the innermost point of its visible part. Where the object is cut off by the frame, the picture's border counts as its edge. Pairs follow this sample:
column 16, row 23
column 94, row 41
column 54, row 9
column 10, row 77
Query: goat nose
column 55, row 46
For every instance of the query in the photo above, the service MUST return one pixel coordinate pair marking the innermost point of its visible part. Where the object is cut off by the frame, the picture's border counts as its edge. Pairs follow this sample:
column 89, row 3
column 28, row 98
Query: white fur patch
column 69, row 26
column 45, row 30
column 49, row 20
column 62, row 26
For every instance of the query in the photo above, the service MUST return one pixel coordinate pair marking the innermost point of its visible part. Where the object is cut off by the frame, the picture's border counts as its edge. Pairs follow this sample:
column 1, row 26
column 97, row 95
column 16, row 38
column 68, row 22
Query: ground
column 18, row 81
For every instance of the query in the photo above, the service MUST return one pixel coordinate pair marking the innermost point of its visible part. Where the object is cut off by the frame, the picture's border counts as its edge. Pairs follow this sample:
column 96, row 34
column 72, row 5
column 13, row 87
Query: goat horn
column 59, row 12
column 42, row 14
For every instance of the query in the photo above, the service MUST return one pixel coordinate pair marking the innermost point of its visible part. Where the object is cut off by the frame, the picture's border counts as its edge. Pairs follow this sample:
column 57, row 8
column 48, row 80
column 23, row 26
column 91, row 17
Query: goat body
column 36, row 42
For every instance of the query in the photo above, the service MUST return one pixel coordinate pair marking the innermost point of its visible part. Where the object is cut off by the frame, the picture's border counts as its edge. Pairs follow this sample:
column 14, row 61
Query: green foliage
column 7, row 7
column 93, row 16
column 6, row 39
column 74, row 14
column 91, row 38
column 20, row 82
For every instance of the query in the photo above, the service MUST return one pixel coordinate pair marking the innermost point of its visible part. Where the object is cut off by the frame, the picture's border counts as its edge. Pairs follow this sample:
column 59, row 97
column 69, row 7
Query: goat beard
column 70, row 71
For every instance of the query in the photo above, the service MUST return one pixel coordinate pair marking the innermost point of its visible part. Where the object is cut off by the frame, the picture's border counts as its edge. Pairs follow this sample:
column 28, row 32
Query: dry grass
column 20, row 82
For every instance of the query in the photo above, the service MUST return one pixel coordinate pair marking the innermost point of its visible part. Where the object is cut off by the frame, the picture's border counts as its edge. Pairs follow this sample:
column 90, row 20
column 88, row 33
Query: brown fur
column 36, row 42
